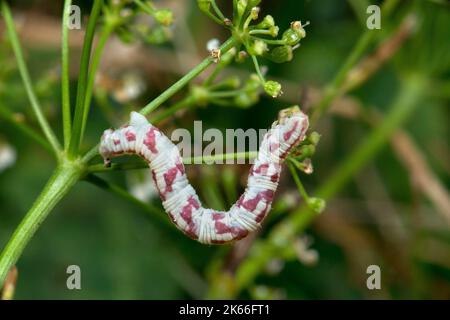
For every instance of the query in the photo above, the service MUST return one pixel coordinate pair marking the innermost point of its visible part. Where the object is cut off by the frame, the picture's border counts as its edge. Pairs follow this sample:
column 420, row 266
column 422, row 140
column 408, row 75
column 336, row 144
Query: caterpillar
column 179, row 198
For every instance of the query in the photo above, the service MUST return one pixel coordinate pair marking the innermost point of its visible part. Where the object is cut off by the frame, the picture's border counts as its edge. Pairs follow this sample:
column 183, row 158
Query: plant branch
column 48, row 132
column 108, row 28
column 60, row 183
column 65, row 75
column 177, row 86
column 144, row 165
column 185, row 103
column 334, row 89
column 75, row 138
column 163, row 97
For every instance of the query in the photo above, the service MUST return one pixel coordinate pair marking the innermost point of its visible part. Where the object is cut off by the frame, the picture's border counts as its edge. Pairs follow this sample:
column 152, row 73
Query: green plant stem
column 75, row 138
column 65, row 75
column 22, row 127
column 60, row 183
column 258, row 70
column 144, row 165
column 108, row 28
column 333, row 89
column 297, row 181
column 185, row 103
column 48, row 132
column 406, row 101
column 147, row 9
column 177, row 86
column 217, row 10
column 157, row 215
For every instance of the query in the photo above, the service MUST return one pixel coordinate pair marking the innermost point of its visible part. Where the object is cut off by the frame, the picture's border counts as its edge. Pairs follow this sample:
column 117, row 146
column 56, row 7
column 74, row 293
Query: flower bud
column 254, row 13
column 280, row 54
column 294, row 34
column 164, row 17
column 200, row 95
column 158, row 35
column 266, row 23
column 258, row 47
column 272, row 88
column 232, row 82
column 316, row 204
column 241, row 56
column 314, row 138
column 308, row 151
column 274, row 31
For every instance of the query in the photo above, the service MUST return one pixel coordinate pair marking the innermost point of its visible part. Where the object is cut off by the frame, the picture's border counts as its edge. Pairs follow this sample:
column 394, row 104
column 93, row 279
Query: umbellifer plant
column 251, row 36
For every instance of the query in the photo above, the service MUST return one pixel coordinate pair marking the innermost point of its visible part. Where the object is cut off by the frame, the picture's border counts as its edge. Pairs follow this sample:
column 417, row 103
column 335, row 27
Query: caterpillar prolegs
column 179, row 198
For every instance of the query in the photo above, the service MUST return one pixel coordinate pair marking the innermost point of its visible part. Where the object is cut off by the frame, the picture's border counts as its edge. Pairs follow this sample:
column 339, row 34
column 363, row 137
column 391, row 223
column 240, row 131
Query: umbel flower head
column 255, row 38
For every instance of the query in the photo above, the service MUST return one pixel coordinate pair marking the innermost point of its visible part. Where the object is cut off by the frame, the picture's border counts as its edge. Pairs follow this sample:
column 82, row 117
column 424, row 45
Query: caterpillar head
column 286, row 115
column 103, row 149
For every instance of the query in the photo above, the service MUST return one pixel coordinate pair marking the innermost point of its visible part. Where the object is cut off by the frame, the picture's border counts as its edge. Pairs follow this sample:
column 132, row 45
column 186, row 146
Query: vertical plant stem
column 65, row 75
column 48, row 132
column 60, row 183
column 104, row 36
column 404, row 104
column 75, row 138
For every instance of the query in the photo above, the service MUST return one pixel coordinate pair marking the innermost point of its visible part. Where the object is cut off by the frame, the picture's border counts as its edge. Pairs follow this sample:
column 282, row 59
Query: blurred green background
column 393, row 213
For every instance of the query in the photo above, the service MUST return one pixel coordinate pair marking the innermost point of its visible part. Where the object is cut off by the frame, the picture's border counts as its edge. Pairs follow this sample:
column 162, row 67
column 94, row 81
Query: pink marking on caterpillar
column 180, row 199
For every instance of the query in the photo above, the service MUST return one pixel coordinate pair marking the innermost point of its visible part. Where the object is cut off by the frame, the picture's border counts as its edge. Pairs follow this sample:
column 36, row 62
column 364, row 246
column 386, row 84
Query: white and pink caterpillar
column 179, row 198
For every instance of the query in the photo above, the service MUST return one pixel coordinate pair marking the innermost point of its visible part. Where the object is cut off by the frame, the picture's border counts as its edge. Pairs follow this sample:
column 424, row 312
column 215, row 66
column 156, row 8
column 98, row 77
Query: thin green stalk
column 147, row 9
column 48, row 132
column 217, row 10
column 258, row 70
column 185, row 103
column 407, row 100
column 26, row 130
column 143, row 165
column 163, row 97
column 227, row 45
column 65, row 75
column 60, row 183
column 104, row 36
column 297, row 181
column 157, row 215
column 75, row 138
column 228, row 93
column 333, row 89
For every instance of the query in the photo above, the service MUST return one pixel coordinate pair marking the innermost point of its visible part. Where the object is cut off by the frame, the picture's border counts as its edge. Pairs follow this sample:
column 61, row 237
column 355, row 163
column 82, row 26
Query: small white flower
column 8, row 156
column 212, row 44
